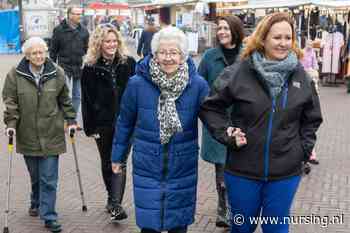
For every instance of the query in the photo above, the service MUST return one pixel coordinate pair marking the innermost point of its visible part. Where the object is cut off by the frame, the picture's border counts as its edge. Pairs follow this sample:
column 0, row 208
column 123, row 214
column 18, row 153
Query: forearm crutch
column 71, row 135
column 7, row 210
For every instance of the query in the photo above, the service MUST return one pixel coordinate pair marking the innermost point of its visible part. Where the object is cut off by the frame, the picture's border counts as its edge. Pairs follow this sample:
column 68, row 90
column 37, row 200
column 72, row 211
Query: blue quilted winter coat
column 164, row 176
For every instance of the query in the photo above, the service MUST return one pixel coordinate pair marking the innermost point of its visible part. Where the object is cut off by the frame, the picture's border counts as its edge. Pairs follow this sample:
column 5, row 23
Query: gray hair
column 29, row 43
column 170, row 33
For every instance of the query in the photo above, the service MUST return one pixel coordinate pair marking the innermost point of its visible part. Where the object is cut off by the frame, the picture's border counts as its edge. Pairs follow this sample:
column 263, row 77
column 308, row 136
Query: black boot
column 116, row 194
column 118, row 213
column 222, row 219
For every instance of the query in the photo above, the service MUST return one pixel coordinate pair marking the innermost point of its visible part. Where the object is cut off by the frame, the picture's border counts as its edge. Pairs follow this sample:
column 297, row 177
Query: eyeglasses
column 171, row 54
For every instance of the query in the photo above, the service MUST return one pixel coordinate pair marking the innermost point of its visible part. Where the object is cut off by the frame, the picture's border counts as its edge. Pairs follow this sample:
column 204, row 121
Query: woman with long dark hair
column 229, row 37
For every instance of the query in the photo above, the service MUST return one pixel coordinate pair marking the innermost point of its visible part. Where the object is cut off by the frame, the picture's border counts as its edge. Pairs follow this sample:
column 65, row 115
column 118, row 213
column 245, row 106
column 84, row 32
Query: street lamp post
column 21, row 28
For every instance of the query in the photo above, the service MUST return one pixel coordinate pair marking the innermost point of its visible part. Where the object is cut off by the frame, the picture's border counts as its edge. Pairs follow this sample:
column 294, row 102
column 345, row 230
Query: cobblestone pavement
column 325, row 192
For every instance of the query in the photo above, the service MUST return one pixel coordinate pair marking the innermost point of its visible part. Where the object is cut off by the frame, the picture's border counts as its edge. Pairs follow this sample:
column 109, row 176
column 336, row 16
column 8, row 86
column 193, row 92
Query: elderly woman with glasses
column 105, row 74
column 37, row 101
column 159, row 111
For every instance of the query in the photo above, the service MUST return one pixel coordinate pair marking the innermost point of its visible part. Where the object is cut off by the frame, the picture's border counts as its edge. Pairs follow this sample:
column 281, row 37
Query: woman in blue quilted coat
column 159, row 110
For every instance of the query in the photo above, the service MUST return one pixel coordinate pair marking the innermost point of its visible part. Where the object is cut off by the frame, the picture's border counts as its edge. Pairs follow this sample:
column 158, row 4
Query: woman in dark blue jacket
column 229, row 37
column 271, row 129
column 160, row 109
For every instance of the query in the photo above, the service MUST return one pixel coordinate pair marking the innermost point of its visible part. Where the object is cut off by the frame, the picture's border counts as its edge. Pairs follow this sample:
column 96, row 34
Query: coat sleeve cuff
column 11, row 124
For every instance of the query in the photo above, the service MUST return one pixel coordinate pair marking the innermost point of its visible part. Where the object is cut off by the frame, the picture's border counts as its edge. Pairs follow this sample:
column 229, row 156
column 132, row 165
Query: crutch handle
column 71, row 132
column 10, row 132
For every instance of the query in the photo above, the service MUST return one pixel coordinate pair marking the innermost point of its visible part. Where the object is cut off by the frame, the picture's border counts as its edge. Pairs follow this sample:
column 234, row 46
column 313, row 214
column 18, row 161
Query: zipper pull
column 39, row 87
column 273, row 104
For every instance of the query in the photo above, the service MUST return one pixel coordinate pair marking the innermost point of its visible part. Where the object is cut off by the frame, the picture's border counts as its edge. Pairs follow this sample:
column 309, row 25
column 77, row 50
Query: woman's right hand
column 237, row 135
column 116, row 168
column 95, row 136
column 8, row 130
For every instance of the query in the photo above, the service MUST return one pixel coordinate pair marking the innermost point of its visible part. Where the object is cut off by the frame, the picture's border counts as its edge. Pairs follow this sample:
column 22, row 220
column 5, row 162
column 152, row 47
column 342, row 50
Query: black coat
column 102, row 87
column 68, row 46
column 144, row 45
column 281, row 133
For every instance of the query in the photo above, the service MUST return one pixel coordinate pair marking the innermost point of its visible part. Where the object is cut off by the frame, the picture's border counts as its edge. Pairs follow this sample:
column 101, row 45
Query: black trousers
column 114, row 183
column 175, row 230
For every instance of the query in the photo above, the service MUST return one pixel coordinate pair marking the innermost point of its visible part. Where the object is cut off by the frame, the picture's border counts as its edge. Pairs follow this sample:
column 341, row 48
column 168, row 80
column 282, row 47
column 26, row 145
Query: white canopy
column 274, row 4
column 261, row 4
column 336, row 4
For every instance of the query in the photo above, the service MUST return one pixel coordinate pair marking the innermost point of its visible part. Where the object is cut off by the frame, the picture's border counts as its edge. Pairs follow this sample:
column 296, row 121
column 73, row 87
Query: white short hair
column 173, row 34
column 29, row 43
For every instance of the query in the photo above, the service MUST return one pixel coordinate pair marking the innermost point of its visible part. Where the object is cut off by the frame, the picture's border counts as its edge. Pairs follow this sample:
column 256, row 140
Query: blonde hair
column 256, row 40
column 95, row 44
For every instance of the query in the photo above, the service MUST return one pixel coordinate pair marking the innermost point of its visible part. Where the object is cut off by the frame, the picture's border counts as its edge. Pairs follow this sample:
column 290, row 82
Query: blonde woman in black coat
column 105, row 74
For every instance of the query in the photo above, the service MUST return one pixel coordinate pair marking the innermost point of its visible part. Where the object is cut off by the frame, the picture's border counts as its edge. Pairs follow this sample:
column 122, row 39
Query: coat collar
column 66, row 27
column 23, row 68
column 218, row 55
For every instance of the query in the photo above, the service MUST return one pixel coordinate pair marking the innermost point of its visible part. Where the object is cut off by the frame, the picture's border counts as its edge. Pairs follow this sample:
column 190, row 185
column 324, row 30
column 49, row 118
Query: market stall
column 325, row 23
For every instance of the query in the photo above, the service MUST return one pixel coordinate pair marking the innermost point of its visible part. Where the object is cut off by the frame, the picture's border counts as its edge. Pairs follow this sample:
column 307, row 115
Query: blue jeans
column 43, row 173
column 249, row 199
column 75, row 90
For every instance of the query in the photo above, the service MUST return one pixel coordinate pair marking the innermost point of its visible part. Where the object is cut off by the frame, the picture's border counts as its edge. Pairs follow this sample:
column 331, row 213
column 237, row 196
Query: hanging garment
column 323, row 22
column 315, row 17
column 331, row 52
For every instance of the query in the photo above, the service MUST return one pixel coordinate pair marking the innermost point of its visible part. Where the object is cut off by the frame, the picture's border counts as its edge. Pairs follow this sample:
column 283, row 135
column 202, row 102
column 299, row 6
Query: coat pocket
column 146, row 161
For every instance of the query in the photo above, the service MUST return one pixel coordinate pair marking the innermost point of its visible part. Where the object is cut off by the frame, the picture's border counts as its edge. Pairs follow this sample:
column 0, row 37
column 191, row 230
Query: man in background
column 68, row 46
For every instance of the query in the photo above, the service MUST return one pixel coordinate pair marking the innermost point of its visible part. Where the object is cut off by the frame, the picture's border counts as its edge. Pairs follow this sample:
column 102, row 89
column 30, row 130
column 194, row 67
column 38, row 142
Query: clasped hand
column 237, row 135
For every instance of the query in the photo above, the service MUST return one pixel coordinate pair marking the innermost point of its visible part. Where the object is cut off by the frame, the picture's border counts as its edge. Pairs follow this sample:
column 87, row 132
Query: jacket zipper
column 268, row 140
column 285, row 96
column 164, row 175
column 269, row 132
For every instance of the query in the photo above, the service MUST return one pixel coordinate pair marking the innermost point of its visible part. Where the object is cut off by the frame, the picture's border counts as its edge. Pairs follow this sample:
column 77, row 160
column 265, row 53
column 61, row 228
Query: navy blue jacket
column 164, row 176
column 144, row 45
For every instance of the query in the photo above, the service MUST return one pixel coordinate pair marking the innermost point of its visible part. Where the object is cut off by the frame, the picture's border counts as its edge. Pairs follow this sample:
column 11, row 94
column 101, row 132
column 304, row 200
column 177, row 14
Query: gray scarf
column 274, row 73
column 170, row 89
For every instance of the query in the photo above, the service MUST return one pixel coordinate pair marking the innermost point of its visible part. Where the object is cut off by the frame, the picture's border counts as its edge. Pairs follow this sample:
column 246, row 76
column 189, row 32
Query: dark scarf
column 170, row 89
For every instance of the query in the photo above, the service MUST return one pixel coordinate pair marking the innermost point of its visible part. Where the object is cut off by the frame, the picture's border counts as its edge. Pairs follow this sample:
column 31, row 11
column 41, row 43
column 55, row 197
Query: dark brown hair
column 236, row 28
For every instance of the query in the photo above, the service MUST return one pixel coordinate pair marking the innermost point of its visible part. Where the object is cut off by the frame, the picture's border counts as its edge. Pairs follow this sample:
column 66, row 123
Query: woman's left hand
column 237, row 135
column 116, row 168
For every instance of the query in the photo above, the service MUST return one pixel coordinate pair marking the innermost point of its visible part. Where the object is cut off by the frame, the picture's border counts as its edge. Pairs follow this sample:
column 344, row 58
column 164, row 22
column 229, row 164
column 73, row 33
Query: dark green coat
column 37, row 112
column 212, row 64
